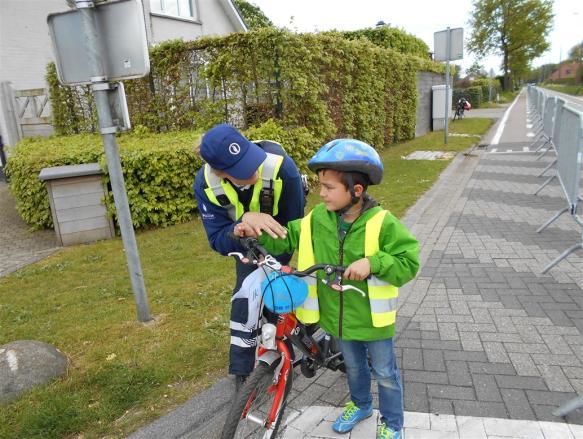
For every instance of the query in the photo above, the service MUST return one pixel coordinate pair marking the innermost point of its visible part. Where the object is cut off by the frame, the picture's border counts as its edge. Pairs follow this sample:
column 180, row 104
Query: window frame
column 193, row 17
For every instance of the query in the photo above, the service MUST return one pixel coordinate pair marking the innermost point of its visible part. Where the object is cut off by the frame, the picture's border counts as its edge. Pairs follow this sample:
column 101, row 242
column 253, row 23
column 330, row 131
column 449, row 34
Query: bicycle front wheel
column 249, row 412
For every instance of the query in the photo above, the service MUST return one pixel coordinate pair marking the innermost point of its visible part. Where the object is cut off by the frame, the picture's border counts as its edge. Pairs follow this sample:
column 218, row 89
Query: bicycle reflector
column 283, row 293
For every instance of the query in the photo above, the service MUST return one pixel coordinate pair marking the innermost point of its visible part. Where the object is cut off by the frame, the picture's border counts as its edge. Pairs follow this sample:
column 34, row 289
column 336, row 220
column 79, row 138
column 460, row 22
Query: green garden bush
column 326, row 83
column 158, row 170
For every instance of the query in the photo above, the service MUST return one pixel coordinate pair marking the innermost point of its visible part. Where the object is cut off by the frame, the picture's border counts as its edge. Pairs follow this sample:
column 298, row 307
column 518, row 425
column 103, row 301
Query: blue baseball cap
column 224, row 148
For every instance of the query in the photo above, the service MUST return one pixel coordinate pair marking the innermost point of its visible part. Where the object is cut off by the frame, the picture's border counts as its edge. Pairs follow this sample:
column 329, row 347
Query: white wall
column 25, row 46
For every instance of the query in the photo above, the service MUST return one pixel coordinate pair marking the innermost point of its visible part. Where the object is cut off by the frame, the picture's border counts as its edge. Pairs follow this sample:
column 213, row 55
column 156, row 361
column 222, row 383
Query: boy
column 349, row 228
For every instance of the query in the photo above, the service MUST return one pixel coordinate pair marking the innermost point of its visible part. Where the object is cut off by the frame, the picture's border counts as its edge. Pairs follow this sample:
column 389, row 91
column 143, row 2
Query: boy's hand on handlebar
column 262, row 222
column 358, row 270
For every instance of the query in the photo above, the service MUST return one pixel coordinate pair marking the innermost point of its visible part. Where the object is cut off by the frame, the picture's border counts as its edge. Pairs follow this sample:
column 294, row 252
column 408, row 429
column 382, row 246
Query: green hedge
column 472, row 94
column 391, row 38
column 326, row 83
column 158, row 170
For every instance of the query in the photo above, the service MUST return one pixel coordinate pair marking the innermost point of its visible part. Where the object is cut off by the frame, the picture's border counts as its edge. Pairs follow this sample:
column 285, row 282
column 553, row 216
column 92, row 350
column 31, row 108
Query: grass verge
column 124, row 374
column 575, row 90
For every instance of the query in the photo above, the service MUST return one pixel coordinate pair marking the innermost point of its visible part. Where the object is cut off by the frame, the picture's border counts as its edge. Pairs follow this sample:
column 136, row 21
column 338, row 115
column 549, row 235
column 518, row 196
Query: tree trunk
column 506, row 76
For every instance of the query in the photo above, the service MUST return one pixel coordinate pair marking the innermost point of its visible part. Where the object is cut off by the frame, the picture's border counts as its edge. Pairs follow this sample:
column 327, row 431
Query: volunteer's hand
column 243, row 230
column 358, row 270
column 262, row 222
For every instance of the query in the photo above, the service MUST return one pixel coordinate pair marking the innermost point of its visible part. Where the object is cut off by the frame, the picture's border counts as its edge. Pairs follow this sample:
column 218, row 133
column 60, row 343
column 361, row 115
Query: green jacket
column 347, row 315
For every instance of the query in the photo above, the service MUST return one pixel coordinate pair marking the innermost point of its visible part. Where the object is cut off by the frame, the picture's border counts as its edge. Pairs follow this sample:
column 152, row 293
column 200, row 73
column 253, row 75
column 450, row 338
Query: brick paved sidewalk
column 480, row 331
column 20, row 246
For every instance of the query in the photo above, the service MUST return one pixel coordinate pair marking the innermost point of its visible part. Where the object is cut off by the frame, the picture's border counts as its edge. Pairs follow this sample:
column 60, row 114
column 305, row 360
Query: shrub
column 324, row 82
column 299, row 143
column 158, row 169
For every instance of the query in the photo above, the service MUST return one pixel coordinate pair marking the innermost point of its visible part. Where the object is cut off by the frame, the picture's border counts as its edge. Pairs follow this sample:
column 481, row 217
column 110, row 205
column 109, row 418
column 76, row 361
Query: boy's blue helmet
column 349, row 155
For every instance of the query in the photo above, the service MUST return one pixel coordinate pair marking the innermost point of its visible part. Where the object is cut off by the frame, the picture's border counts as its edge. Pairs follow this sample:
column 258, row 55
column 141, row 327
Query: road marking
column 530, row 134
column 498, row 134
column 529, row 126
column 493, row 150
column 525, row 149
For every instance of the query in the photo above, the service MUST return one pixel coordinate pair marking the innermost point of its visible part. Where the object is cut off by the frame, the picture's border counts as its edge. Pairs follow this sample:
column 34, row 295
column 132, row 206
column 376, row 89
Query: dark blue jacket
column 217, row 222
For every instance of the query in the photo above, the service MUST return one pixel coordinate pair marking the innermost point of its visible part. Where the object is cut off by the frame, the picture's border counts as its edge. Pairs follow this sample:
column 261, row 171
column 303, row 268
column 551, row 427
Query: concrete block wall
column 425, row 80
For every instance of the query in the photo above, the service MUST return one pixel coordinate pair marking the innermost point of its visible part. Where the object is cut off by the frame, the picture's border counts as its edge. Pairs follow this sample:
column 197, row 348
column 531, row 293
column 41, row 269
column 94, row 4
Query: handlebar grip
column 249, row 243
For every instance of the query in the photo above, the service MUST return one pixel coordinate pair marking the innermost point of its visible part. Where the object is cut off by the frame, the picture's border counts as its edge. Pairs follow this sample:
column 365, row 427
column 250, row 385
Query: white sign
column 456, row 44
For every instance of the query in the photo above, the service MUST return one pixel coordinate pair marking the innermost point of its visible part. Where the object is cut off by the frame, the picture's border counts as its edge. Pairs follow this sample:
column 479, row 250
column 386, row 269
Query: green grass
column 575, row 90
column 124, row 374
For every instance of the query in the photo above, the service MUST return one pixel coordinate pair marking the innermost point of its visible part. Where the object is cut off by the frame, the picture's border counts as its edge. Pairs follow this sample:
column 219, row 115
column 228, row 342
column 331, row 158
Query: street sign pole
column 101, row 88
column 448, row 56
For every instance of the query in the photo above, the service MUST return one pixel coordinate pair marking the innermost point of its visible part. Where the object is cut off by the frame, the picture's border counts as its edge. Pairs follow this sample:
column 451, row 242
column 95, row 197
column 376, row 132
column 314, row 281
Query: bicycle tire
column 258, row 381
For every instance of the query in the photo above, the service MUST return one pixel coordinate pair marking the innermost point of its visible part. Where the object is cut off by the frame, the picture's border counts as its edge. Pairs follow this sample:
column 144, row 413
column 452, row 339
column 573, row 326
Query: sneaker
column 388, row 433
column 351, row 416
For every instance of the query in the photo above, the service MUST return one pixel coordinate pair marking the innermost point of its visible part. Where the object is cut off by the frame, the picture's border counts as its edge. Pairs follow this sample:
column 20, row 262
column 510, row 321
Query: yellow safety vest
column 221, row 193
column 382, row 295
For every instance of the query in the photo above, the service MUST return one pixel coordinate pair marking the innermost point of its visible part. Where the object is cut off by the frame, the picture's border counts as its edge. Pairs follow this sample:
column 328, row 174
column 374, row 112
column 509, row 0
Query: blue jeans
column 386, row 372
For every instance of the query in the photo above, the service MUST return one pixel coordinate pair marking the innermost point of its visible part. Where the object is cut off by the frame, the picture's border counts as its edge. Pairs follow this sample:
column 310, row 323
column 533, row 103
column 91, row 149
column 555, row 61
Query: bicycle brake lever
column 352, row 287
column 244, row 259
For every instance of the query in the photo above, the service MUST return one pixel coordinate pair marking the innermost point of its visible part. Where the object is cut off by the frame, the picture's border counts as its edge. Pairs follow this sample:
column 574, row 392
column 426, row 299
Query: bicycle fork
column 281, row 375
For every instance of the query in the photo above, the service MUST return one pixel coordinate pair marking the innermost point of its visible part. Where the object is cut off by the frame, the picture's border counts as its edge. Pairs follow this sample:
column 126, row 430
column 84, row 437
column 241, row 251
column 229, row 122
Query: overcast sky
column 419, row 17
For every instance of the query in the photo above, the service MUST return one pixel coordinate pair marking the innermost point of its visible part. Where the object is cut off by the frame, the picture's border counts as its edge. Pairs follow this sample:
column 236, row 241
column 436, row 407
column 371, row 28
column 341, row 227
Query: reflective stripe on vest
column 309, row 312
column 382, row 295
column 221, row 193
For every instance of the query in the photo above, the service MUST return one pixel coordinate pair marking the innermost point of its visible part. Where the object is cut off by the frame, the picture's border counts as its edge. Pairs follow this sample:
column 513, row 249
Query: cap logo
column 234, row 148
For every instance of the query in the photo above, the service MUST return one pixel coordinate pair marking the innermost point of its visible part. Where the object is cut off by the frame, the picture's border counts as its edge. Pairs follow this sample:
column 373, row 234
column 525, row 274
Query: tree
column 476, row 70
column 516, row 29
column 576, row 52
column 252, row 15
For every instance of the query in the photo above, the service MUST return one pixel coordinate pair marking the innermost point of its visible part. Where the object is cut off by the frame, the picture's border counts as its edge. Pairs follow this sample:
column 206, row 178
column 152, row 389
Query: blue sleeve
column 291, row 202
column 215, row 219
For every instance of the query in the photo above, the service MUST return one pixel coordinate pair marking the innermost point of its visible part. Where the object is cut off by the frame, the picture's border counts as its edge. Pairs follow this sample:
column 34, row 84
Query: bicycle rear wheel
column 256, row 398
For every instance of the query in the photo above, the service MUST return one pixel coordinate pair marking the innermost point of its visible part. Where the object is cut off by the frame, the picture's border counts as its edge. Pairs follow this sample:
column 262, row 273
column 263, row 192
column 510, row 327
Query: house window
column 177, row 8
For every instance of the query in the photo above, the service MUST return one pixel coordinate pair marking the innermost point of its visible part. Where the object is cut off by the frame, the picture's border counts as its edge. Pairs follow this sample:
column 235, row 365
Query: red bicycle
column 258, row 408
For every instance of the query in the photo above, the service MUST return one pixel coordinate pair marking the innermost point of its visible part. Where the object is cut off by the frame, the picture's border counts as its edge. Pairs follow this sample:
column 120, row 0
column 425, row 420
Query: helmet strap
column 353, row 198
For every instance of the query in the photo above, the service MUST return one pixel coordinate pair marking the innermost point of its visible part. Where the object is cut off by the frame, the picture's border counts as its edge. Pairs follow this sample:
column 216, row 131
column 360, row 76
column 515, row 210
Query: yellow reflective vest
column 382, row 295
column 221, row 193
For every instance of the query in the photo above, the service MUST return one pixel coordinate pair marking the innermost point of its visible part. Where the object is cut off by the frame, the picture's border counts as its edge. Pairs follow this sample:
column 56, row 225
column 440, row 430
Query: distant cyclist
column 252, row 182
column 350, row 228
column 462, row 105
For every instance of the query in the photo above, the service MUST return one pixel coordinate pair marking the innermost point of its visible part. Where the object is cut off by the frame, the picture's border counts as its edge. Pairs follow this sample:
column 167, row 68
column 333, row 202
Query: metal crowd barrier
column 569, row 159
column 563, row 129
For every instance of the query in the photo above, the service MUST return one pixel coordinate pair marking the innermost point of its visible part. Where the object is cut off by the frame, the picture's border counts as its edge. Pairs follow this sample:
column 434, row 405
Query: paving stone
column 520, row 382
column 426, row 377
column 458, row 373
column 450, row 392
column 412, row 359
column 495, row 352
column 415, row 397
column 433, row 360
column 523, row 364
column 555, row 379
column 464, row 356
column 448, row 331
column 471, row 427
column 471, row 341
column 515, row 429
column 492, row 368
column 441, row 407
column 555, row 360
column 486, row 388
column 517, row 404
column 480, row 408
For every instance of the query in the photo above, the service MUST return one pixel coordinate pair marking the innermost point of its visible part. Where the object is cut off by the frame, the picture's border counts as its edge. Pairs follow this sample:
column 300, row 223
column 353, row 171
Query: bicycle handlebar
column 252, row 246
